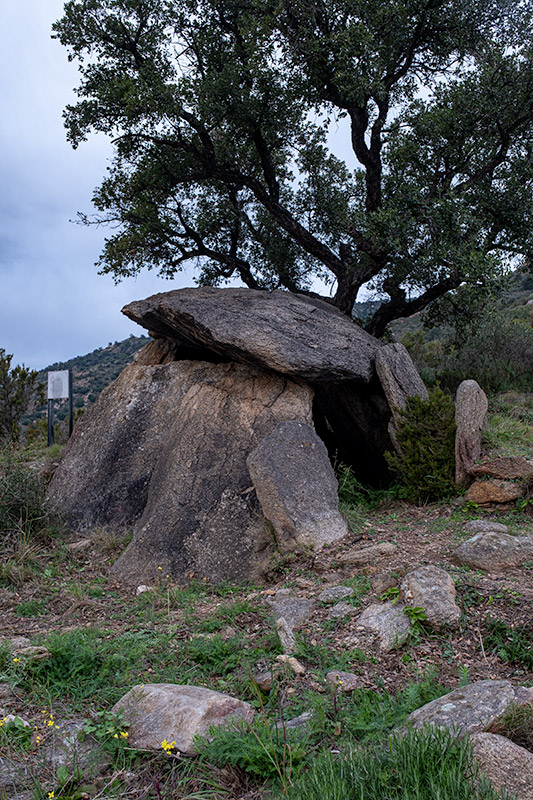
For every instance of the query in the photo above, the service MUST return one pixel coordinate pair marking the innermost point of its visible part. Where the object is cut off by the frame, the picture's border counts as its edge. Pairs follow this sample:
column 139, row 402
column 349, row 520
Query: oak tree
column 377, row 144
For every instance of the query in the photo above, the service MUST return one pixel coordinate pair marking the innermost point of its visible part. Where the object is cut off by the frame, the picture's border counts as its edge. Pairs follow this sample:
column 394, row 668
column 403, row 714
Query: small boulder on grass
column 433, row 589
column 471, row 709
column 168, row 716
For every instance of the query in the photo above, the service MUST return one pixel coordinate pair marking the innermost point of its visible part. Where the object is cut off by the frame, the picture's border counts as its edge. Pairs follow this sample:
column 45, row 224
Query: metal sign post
column 59, row 388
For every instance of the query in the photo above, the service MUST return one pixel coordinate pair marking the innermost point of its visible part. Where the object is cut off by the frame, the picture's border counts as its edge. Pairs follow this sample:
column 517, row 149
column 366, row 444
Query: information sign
column 58, row 385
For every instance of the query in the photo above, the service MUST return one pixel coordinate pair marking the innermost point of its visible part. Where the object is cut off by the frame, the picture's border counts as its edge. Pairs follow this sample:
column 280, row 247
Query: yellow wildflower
column 168, row 746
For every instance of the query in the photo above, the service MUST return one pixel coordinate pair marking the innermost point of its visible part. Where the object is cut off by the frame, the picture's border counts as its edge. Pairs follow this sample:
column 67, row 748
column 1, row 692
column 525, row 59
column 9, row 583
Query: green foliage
column 426, row 438
column 215, row 107
column 513, row 645
column 19, row 387
column 261, row 749
column 418, row 764
column 23, row 513
column 490, row 342
column 14, row 734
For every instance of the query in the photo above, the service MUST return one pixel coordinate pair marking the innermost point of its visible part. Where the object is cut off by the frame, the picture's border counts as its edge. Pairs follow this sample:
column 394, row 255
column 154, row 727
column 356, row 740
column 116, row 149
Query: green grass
column 420, row 765
column 512, row 645
column 508, row 435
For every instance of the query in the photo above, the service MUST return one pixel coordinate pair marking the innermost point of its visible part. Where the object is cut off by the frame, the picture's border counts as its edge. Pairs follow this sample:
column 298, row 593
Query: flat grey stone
column 341, row 610
column 494, row 551
column 296, row 487
column 507, row 765
column 433, row 589
column 343, row 681
column 365, row 555
column 334, row 593
column 485, row 526
column 158, row 711
column 388, row 622
column 470, row 709
column 294, row 609
column 276, row 330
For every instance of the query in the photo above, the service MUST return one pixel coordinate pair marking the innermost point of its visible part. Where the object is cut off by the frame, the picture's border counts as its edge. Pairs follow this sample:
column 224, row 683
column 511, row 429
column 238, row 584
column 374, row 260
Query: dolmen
column 215, row 447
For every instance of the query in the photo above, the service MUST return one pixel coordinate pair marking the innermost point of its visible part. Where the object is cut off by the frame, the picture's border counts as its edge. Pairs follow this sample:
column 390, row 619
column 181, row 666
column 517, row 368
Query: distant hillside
column 92, row 373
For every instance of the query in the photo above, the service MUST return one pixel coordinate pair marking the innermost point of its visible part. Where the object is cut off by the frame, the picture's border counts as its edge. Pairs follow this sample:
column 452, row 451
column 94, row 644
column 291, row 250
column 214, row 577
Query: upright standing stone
column 471, row 407
column 399, row 380
column 296, row 487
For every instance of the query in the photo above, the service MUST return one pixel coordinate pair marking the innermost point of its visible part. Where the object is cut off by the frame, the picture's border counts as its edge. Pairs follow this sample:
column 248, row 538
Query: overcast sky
column 53, row 304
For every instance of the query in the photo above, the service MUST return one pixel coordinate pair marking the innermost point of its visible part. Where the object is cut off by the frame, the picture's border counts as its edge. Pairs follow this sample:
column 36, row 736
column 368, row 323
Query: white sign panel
column 58, row 385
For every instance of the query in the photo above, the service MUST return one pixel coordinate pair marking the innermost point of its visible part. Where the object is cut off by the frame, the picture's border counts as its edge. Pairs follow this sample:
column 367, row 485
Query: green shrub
column 22, row 508
column 426, row 438
column 425, row 765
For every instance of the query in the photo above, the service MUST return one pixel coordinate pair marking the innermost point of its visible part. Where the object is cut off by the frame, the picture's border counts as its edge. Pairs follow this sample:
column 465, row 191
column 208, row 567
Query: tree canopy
column 224, row 112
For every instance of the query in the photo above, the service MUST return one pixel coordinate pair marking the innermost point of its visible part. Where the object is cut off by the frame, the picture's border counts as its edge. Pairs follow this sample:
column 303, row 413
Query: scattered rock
column 383, row 581
column 79, row 545
column 32, row 653
column 388, row 622
column 11, row 718
column 295, row 610
column 471, row 407
column 485, row 526
column 301, row 721
column 143, row 588
column 293, row 663
column 493, row 551
column 16, row 642
column 71, row 747
column 365, row 555
column 13, row 776
column 504, row 468
column 159, row 711
column 432, row 589
column 507, row 765
column 286, row 636
column 334, row 593
column 471, row 708
column 341, row 610
column 264, row 679
column 343, row 681
column 296, row 487
column 486, row 492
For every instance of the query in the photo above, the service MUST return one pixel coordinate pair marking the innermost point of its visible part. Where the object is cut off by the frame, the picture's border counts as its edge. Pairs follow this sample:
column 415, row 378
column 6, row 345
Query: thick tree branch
column 398, row 306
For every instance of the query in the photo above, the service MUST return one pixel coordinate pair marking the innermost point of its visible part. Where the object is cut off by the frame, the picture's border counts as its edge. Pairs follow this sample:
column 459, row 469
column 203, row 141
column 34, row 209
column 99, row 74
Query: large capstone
column 279, row 331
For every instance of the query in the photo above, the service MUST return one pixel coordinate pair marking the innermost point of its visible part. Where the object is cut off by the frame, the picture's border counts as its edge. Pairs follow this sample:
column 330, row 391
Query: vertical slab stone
column 399, row 379
column 296, row 487
column 471, row 407
column 201, row 514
